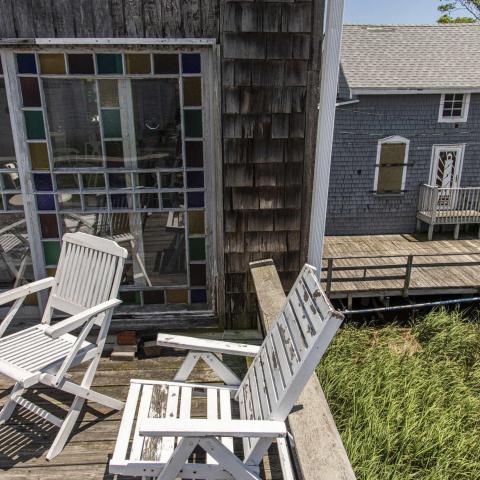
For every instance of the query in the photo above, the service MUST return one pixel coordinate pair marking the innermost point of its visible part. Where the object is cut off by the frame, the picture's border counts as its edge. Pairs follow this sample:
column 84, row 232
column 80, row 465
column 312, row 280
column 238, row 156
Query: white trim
column 107, row 41
column 387, row 140
column 412, row 91
column 465, row 107
column 347, row 102
column 434, row 158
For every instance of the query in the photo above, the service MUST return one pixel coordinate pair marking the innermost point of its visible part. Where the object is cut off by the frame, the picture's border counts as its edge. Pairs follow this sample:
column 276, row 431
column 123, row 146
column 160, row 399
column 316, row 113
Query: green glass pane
column 130, row 298
column 34, row 125
column 193, row 123
column 51, row 252
column 196, row 248
column 38, row 156
column 66, row 181
column 109, row 63
column 111, row 124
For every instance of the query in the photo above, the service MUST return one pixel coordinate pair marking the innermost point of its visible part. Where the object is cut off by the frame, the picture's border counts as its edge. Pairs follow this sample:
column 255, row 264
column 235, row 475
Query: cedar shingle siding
column 270, row 80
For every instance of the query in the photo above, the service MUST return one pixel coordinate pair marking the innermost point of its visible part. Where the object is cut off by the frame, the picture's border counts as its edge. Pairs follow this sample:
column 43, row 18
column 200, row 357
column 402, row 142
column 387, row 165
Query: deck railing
column 449, row 205
column 381, row 268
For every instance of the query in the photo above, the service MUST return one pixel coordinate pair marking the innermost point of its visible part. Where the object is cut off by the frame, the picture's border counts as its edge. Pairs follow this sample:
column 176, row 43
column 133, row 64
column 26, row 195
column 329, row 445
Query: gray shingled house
column 406, row 150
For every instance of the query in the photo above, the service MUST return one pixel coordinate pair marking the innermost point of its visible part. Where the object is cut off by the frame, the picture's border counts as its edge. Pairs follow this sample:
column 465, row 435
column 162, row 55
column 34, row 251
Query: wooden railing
column 318, row 451
column 390, row 267
column 449, row 205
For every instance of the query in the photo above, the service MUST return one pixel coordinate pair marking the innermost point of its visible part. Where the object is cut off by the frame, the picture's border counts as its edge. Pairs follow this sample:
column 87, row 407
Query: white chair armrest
column 195, row 427
column 206, row 345
column 75, row 321
column 25, row 290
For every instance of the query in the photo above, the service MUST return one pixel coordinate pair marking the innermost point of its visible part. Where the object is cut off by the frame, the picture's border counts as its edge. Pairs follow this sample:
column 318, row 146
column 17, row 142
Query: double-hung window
column 116, row 145
column 454, row 107
column 391, row 165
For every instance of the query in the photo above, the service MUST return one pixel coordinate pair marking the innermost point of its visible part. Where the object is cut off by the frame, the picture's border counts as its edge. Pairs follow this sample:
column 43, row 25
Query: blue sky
column 391, row 11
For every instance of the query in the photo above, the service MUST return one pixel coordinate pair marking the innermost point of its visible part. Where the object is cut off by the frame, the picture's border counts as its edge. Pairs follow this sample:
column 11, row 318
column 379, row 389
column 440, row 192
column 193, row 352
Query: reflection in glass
column 73, row 120
column 95, row 201
column 146, row 180
column 157, row 123
column 147, row 200
column 15, row 259
column 172, row 180
column 93, row 180
column 114, row 154
column 69, row 201
column 11, row 181
column 66, row 181
column 172, row 200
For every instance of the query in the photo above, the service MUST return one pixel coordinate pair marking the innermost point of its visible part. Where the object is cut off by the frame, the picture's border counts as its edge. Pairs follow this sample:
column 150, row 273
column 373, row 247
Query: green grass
column 407, row 400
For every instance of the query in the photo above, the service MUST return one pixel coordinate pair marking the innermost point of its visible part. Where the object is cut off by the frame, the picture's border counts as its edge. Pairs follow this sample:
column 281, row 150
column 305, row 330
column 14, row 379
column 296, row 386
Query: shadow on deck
column 25, row 439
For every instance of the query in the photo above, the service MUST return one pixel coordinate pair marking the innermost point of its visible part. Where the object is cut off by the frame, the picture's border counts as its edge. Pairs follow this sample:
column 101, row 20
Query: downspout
column 326, row 119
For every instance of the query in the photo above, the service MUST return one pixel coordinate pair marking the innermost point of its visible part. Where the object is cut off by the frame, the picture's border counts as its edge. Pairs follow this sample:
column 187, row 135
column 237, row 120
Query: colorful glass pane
column 34, row 125
column 43, row 182
column 30, row 92
column 112, row 127
column 192, row 91
column 196, row 199
column 194, row 154
column 49, row 226
column 51, row 252
column 45, row 202
column 52, row 63
column 80, row 63
column 198, row 296
column 108, row 93
column 196, row 222
column 138, row 63
column 198, row 274
column 196, row 248
column 153, row 297
column 26, row 63
column 191, row 63
column 109, row 63
column 165, row 63
column 114, row 154
column 193, row 123
column 195, row 179
column 38, row 156
column 177, row 295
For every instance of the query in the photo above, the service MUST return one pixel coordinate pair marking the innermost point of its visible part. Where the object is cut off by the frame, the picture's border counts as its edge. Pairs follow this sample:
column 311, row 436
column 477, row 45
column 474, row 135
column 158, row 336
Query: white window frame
column 387, row 140
column 465, row 108
column 436, row 149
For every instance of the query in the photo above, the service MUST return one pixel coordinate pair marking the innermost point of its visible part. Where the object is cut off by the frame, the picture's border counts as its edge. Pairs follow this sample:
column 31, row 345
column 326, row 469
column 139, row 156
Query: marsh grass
column 407, row 400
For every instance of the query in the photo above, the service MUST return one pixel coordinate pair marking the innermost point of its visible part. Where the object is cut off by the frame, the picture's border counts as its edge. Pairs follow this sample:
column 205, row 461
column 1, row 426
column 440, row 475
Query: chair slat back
column 88, row 273
column 288, row 356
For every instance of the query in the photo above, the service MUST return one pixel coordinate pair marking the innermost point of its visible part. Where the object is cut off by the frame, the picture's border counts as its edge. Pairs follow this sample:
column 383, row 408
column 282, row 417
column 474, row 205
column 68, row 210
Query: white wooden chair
column 159, row 440
column 85, row 287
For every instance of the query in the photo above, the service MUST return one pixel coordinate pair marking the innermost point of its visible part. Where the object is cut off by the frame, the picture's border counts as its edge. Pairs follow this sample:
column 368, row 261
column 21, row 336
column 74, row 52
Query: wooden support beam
column 319, row 453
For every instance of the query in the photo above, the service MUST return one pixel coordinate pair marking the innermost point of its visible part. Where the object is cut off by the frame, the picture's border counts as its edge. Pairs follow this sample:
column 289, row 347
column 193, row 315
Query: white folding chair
column 85, row 287
column 159, row 431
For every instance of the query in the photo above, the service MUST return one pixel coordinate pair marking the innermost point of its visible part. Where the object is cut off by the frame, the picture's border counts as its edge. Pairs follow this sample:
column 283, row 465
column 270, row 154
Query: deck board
column 427, row 281
column 25, row 439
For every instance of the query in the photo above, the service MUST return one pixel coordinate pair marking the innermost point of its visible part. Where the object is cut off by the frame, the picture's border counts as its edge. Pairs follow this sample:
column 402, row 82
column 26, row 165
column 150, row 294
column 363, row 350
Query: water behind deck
column 25, row 440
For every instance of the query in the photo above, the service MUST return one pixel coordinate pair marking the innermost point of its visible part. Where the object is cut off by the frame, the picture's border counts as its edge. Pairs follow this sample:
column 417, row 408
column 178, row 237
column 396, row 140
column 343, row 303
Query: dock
column 400, row 265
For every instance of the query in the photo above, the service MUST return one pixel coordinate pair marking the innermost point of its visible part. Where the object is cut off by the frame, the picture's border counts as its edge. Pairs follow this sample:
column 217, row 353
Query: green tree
column 448, row 9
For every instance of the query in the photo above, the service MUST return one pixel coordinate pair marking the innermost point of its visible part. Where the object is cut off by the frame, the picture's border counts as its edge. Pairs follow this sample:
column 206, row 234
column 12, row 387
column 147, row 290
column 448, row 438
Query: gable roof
column 434, row 58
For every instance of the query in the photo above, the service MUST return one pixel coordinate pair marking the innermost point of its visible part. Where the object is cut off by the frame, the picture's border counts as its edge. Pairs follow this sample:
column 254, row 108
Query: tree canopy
column 448, row 9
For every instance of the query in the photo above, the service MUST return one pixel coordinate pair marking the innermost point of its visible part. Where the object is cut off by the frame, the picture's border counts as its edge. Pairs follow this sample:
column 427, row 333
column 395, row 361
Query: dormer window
column 454, row 107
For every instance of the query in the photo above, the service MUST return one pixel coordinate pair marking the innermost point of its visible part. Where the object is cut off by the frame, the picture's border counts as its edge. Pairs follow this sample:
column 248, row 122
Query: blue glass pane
column 191, row 63
column 195, row 179
column 26, row 63
column 198, row 296
column 45, row 202
column 43, row 182
column 195, row 199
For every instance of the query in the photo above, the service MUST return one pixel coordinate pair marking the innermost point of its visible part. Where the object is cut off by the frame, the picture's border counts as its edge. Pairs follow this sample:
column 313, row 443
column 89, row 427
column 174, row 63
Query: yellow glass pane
column 108, row 93
column 196, row 222
column 192, row 91
column 138, row 63
column 51, row 272
column 177, row 296
column 38, row 156
column 52, row 63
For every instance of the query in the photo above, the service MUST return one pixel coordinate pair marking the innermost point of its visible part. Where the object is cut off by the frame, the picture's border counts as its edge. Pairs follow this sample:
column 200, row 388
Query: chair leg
column 430, row 231
column 456, row 232
column 9, row 407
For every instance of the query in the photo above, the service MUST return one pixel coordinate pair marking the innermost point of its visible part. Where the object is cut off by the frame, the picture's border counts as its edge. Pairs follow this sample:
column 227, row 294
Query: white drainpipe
column 326, row 118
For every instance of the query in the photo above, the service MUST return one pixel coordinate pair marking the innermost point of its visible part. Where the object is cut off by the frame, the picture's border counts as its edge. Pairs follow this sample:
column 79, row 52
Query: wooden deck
column 394, row 265
column 24, row 441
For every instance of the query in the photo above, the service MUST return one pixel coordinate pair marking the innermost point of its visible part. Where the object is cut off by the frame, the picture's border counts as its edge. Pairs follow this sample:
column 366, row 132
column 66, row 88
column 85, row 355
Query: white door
column 445, row 172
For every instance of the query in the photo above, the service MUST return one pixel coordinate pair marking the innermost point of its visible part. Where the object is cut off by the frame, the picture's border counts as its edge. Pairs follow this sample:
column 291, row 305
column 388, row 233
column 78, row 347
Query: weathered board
column 270, row 56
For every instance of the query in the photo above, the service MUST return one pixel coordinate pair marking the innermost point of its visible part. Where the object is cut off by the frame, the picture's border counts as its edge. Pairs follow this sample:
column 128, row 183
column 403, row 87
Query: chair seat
column 146, row 456
column 27, row 354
